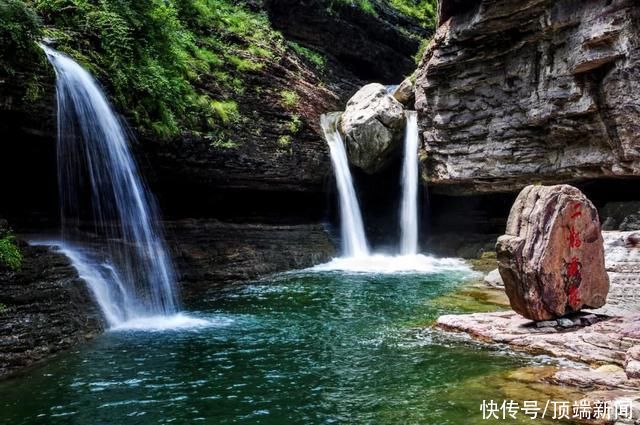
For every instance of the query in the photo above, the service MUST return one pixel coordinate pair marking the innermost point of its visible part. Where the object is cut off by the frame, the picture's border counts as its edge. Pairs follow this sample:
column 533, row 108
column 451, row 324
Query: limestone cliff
column 511, row 93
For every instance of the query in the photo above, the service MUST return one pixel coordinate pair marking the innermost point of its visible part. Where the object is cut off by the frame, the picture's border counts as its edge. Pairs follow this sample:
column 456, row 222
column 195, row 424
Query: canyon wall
column 537, row 91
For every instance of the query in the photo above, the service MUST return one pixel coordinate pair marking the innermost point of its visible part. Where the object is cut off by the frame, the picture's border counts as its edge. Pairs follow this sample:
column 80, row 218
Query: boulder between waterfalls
column 373, row 126
column 551, row 258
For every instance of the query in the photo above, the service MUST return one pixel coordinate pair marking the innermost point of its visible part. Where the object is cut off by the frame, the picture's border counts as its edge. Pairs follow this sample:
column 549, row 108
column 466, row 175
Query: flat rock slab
column 605, row 342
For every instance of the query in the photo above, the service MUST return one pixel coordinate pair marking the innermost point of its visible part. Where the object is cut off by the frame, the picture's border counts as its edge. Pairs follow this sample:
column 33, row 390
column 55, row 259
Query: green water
column 298, row 348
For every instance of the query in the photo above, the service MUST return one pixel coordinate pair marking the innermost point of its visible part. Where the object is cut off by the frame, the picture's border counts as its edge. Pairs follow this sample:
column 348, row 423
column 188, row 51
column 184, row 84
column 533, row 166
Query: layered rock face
column 537, row 90
column 551, row 258
column 210, row 252
column 47, row 309
column 372, row 124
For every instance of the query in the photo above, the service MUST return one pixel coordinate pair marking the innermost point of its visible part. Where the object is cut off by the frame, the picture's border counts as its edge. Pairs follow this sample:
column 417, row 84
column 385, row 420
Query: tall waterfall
column 354, row 241
column 409, row 212
column 125, row 261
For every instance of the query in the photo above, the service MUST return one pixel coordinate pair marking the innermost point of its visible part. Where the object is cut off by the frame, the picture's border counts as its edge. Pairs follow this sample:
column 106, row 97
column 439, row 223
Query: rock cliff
column 511, row 93
column 46, row 308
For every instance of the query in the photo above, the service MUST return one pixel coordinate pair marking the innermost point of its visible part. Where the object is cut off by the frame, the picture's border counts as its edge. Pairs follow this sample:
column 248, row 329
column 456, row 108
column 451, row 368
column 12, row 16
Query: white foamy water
column 175, row 322
column 386, row 264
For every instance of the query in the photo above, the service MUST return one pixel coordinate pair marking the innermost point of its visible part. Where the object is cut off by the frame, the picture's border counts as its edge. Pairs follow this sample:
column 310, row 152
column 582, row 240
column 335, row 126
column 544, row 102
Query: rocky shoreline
column 606, row 340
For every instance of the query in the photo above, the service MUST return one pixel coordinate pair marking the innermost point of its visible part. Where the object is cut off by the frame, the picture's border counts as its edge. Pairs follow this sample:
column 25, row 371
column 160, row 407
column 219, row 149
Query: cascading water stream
column 354, row 241
column 125, row 261
column 409, row 211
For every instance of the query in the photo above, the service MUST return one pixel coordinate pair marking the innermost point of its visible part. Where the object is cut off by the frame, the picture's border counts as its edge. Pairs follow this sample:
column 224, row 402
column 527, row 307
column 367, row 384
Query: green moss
column 425, row 11
column 365, row 5
column 294, row 124
column 284, row 141
column 318, row 60
column 226, row 111
column 289, row 98
column 423, row 47
column 10, row 254
column 224, row 144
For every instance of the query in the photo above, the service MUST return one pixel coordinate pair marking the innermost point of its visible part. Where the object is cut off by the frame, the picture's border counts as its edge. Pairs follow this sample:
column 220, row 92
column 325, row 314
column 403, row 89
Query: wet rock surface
column 603, row 342
column 536, row 90
column 372, row 125
column 209, row 253
column 551, row 258
column 47, row 309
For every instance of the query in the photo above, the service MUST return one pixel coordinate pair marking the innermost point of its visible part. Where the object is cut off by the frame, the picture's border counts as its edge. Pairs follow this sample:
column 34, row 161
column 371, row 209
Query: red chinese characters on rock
column 573, row 267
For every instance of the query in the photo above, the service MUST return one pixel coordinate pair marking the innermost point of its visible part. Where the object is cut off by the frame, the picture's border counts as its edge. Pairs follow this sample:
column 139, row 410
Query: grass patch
column 289, row 98
column 284, row 141
column 10, row 254
column 424, row 11
column 318, row 60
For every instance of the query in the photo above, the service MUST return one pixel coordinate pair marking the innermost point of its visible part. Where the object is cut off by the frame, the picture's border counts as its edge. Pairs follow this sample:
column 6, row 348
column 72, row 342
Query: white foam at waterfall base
column 174, row 322
column 388, row 264
column 106, row 288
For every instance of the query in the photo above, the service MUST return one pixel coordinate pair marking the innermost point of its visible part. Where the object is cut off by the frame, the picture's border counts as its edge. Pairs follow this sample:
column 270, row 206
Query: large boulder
column 551, row 258
column 373, row 125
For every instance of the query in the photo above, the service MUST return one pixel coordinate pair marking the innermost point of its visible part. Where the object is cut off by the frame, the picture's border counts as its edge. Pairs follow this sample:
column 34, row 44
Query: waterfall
column 354, row 242
column 125, row 260
column 409, row 212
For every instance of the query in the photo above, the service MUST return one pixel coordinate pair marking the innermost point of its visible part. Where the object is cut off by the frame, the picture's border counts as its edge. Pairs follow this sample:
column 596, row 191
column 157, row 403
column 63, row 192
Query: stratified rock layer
column 47, row 309
column 509, row 93
column 372, row 124
column 551, row 258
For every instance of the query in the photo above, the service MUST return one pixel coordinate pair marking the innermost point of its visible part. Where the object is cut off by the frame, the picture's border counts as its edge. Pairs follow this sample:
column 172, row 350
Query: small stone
column 494, row 279
column 547, row 324
column 566, row 323
column 404, row 93
column 632, row 362
column 589, row 319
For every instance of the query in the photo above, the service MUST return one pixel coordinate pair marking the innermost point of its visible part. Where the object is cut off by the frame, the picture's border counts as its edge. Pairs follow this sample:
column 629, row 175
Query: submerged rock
column 373, row 126
column 551, row 258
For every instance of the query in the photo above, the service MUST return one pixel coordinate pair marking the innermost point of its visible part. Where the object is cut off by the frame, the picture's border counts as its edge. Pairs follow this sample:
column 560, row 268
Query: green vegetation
column 294, row 124
column 425, row 11
column 289, row 98
column 20, row 28
column 224, row 144
column 284, row 141
column 3, row 308
column 318, row 60
column 155, row 56
column 423, row 47
column 10, row 254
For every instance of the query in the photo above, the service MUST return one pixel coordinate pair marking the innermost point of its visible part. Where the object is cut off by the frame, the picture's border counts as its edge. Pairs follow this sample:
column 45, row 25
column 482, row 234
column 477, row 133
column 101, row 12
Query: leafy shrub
column 153, row 55
column 20, row 28
column 9, row 253
column 425, row 11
